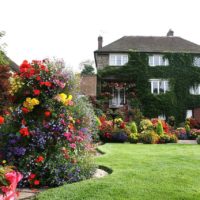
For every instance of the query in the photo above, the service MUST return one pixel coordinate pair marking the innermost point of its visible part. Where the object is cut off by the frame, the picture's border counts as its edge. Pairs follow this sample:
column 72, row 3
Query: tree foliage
column 88, row 70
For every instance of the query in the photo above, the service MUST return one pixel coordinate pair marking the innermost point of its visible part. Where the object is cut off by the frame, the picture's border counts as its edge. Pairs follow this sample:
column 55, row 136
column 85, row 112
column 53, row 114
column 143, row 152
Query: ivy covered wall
column 180, row 73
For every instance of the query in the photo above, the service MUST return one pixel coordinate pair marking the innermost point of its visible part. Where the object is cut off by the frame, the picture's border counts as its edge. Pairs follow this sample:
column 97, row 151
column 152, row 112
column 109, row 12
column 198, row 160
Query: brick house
column 116, row 54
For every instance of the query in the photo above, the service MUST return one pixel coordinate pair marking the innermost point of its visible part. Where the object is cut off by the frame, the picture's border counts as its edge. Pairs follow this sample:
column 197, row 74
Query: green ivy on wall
column 181, row 75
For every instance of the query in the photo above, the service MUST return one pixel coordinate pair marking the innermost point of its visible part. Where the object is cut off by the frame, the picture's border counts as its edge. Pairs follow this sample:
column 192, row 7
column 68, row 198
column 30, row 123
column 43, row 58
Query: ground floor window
column 118, row 97
column 159, row 86
column 189, row 114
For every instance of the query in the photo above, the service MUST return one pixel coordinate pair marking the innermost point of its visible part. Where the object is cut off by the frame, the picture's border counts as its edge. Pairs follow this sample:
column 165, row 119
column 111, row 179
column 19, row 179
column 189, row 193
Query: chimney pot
column 170, row 33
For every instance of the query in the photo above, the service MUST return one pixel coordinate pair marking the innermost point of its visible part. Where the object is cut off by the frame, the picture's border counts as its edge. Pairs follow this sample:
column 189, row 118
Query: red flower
column 36, row 92
column 31, row 176
column 38, row 78
column 48, row 84
column 1, row 120
column 47, row 113
column 24, row 131
column 39, row 159
column 25, row 110
column 36, row 182
column 26, row 69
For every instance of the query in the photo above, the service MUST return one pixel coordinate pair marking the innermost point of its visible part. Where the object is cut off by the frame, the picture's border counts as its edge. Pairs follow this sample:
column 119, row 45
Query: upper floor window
column 118, row 59
column 158, row 60
column 159, row 86
column 195, row 90
column 196, row 61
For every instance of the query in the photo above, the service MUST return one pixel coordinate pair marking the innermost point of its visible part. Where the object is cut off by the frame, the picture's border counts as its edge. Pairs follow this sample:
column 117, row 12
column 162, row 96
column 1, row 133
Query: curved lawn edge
column 140, row 172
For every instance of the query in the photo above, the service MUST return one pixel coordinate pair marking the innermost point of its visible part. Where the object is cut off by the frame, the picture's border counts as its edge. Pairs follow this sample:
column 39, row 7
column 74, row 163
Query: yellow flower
column 30, row 103
column 64, row 99
column 4, row 161
column 35, row 101
column 16, row 84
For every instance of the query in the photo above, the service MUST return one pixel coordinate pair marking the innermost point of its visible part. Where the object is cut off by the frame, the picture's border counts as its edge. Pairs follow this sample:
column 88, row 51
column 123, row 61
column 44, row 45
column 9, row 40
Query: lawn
column 140, row 171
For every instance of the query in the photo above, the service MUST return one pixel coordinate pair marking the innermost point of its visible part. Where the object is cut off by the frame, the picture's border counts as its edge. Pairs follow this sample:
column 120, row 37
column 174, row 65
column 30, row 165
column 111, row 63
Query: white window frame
column 196, row 61
column 157, row 81
column 161, row 60
column 115, row 58
column 195, row 90
column 117, row 101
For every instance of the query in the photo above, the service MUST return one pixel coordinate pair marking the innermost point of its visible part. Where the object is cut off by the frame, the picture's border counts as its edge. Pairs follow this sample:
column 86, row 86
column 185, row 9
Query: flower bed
column 45, row 135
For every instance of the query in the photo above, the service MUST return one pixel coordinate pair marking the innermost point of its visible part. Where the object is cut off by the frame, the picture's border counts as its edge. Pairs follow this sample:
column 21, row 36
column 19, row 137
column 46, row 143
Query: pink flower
column 68, row 136
column 73, row 145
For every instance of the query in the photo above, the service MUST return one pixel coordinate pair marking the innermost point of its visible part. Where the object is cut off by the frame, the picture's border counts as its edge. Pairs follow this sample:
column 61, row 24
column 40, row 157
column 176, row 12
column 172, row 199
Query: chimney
column 170, row 33
column 100, row 42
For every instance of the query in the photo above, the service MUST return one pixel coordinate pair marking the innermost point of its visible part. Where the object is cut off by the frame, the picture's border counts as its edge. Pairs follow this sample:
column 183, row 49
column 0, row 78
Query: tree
column 88, row 70
column 4, row 77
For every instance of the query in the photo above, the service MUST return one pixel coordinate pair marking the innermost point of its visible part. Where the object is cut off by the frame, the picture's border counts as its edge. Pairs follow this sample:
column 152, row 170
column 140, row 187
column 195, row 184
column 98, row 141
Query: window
column 195, row 90
column 158, row 60
column 118, row 97
column 118, row 59
column 159, row 86
column 162, row 117
column 189, row 114
column 196, row 61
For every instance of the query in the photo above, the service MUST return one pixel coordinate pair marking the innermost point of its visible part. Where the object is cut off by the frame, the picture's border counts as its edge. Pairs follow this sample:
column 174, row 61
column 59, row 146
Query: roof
column 13, row 66
column 151, row 44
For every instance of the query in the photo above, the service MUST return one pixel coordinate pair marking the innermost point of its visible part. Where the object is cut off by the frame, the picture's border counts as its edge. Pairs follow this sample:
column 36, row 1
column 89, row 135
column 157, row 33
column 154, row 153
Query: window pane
column 197, row 61
column 118, row 60
column 166, row 86
column 112, row 60
column 151, row 61
column 189, row 114
column 156, row 60
column 155, row 87
column 124, row 59
column 161, row 87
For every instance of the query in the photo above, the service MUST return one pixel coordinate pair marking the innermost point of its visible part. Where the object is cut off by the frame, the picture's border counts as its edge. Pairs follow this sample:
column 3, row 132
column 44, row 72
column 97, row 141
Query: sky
column 68, row 29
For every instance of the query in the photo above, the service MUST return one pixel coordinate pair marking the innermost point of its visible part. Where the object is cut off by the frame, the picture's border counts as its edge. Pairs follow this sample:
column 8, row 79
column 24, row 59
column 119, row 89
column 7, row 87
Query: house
column 161, row 73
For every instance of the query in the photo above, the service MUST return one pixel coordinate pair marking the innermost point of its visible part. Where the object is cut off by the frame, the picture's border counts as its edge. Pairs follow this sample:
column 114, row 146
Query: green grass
column 139, row 172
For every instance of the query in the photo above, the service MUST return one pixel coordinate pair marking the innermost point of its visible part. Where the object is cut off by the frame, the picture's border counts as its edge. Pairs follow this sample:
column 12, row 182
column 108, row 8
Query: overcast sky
column 68, row 29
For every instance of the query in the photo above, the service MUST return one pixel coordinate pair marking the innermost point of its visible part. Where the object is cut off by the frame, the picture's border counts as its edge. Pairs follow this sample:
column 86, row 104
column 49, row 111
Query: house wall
column 196, row 113
column 102, row 60
column 88, row 85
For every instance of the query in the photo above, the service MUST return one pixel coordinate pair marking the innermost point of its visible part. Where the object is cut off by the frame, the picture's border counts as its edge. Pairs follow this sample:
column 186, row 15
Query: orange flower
column 39, row 159
column 1, row 120
column 24, row 131
column 47, row 113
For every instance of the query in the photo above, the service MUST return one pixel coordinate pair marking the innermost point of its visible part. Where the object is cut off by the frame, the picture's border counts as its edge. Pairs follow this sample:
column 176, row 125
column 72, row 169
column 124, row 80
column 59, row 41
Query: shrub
column 180, row 133
column 159, row 128
column 198, row 140
column 133, row 138
column 149, row 137
column 168, row 138
column 194, row 133
column 133, row 127
column 146, row 124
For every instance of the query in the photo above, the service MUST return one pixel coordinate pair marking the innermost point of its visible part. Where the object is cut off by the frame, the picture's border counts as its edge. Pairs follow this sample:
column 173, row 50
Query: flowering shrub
column 112, row 132
column 149, row 137
column 194, row 133
column 8, row 183
column 46, row 138
column 180, row 133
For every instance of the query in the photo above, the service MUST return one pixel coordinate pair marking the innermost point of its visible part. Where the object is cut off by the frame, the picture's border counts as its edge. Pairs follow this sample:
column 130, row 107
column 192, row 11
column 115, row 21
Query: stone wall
column 102, row 60
column 88, row 85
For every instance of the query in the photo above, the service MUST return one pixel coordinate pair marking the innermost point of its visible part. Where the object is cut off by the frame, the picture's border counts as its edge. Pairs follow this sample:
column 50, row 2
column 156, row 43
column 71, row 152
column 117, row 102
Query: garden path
column 187, row 142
